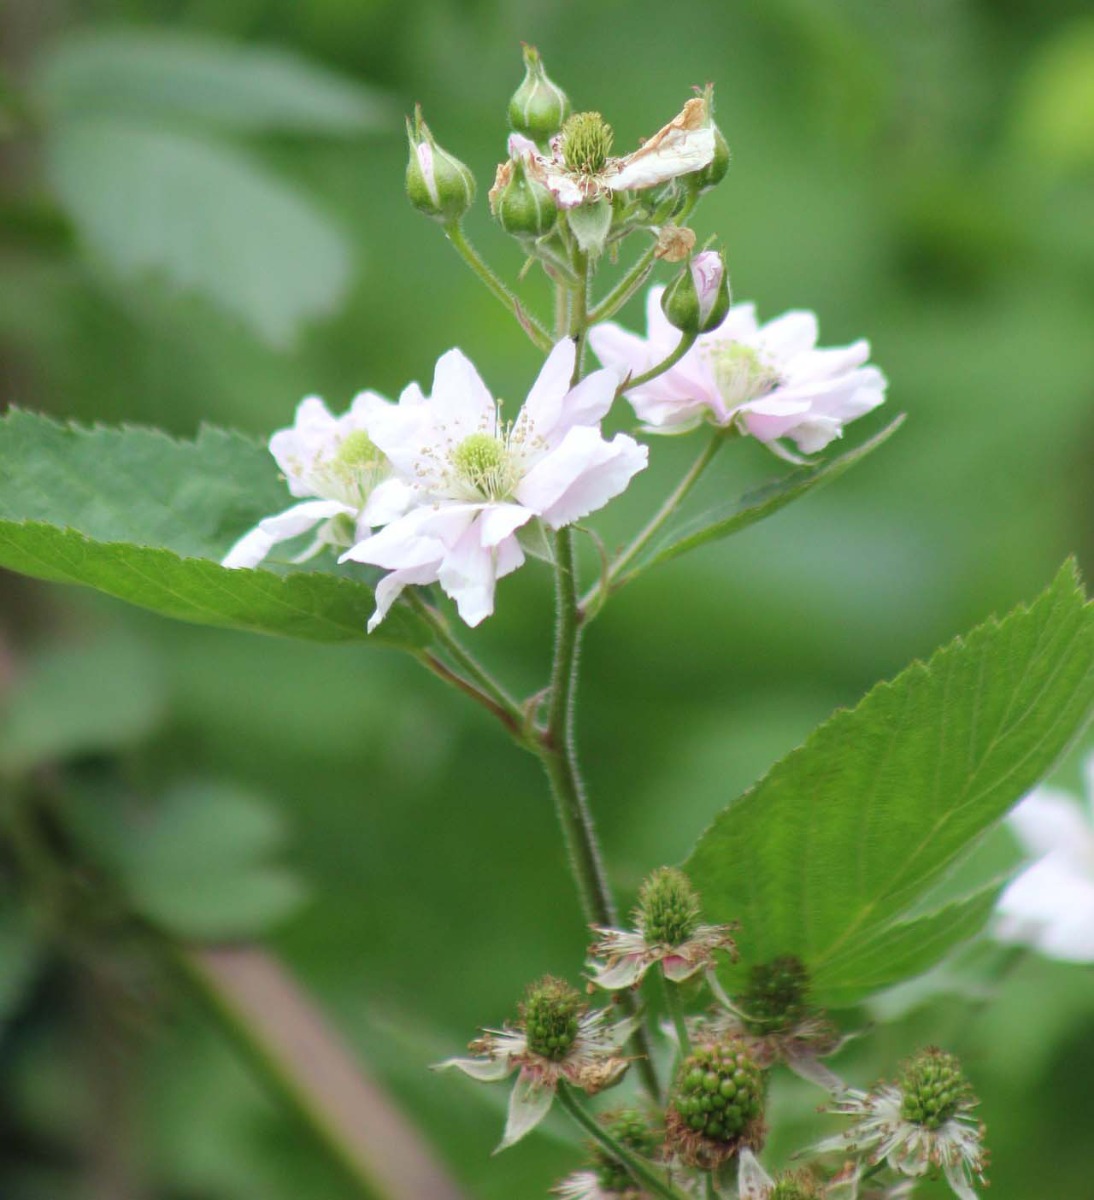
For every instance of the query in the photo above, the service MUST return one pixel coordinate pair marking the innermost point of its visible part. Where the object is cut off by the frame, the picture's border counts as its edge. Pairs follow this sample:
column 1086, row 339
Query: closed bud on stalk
column 437, row 183
column 524, row 208
column 539, row 106
column 630, row 1129
column 697, row 300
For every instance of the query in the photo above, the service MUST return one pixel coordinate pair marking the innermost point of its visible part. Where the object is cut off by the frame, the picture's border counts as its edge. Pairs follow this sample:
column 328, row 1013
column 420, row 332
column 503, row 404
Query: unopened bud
column 932, row 1088
column 523, row 206
column 697, row 300
column 668, row 908
column 539, row 106
column 437, row 183
column 550, row 1015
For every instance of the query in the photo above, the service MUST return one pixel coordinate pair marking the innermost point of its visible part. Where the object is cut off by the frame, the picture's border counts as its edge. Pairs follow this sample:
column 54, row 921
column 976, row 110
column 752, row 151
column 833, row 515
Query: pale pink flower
column 623, row 956
column 476, row 480
column 1050, row 905
column 346, row 479
column 770, row 381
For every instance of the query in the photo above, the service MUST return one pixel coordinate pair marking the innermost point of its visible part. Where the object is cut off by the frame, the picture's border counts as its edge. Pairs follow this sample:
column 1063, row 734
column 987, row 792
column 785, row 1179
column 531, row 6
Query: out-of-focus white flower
column 1050, row 905
column 770, row 381
column 922, row 1123
column 667, row 931
column 477, row 480
column 581, row 169
column 556, row 1040
column 333, row 461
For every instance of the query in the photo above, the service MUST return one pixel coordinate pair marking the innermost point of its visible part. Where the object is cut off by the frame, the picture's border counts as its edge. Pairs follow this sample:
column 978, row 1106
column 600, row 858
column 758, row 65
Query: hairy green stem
column 687, row 340
column 471, row 256
column 645, row 1172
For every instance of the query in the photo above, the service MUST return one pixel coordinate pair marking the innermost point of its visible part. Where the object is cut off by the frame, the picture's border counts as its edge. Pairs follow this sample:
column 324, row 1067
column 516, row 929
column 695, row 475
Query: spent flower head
column 667, row 930
column 770, row 381
column 923, row 1122
column 343, row 478
column 477, row 479
column 556, row 1039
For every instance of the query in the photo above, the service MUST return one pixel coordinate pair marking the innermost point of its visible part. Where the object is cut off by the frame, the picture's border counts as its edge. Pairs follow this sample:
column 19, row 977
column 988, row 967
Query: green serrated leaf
column 203, row 218
column 687, row 533
column 156, row 74
column 146, row 518
column 836, row 846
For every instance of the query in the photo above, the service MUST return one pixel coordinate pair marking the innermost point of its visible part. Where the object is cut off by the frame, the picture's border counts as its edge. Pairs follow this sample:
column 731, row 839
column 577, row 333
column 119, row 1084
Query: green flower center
column 586, row 143
column 482, row 461
column 550, row 1015
column 777, row 993
column 740, row 374
column 668, row 908
column 719, row 1091
column 933, row 1088
column 631, row 1129
column 356, row 451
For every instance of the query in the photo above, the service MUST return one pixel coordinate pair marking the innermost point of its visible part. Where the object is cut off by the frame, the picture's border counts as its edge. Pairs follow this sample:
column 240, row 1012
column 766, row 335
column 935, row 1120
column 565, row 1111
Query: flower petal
column 529, row 1103
column 485, row 1070
column 581, row 475
column 253, row 547
column 460, row 400
column 684, row 145
column 753, row 1182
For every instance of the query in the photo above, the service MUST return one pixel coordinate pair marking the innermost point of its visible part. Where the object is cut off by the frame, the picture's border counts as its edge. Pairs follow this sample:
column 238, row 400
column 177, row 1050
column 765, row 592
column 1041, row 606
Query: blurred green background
column 919, row 174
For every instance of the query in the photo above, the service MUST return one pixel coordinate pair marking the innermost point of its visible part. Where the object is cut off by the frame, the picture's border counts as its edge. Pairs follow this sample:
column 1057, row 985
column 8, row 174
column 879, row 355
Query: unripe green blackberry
column 631, row 1129
column 668, row 909
column 586, row 143
column 777, row 993
column 795, row 1185
column 550, row 1015
column 719, row 1091
column 933, row 1088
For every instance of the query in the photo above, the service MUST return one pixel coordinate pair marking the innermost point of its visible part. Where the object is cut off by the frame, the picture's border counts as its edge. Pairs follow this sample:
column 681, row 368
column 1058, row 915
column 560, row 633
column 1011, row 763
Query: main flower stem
column 617, row 573
column 471, row 256
column 643, row 1171
column 676, row 1012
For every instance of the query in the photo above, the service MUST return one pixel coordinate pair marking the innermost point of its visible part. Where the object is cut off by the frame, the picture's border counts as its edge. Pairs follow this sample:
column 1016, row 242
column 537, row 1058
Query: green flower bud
column 933, row 1088
column 777, row 996
column 550, row 1016
column 715, row 171
column 668, row 909
column 539, row 106
column 631, row 1129
column 437, row 183
column 717, row 1103
column 524, row 208
column 697, row 300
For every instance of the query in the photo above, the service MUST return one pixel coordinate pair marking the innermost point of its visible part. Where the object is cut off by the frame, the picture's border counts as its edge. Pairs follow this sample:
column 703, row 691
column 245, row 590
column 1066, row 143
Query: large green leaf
column 686, row 532
column 203, row 218
column 141, row 516
column 146, row 74
column 832, row 854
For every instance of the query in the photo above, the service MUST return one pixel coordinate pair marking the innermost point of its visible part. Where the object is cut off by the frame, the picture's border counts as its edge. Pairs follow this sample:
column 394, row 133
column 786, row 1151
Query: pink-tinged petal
column 581, row 475
column 740, row 326
column 498, row 521
column 753, row 1182
column 388, row 501
column 814, row 433
column 467, row 575
column 253, row 547
column 624, row 973
column 587, row 403
column 829, row 362
column 485, row 1070
column 663, row 336
column 520, row 146
column 678, row 968
column 400, row 544
column 807, row 1066
column 529, row 1103
column 391, row 586
column 615, row 347
column 364, row 405
column 460, row 400
column 508, row 555
column 791, row 334
column 544, row 401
